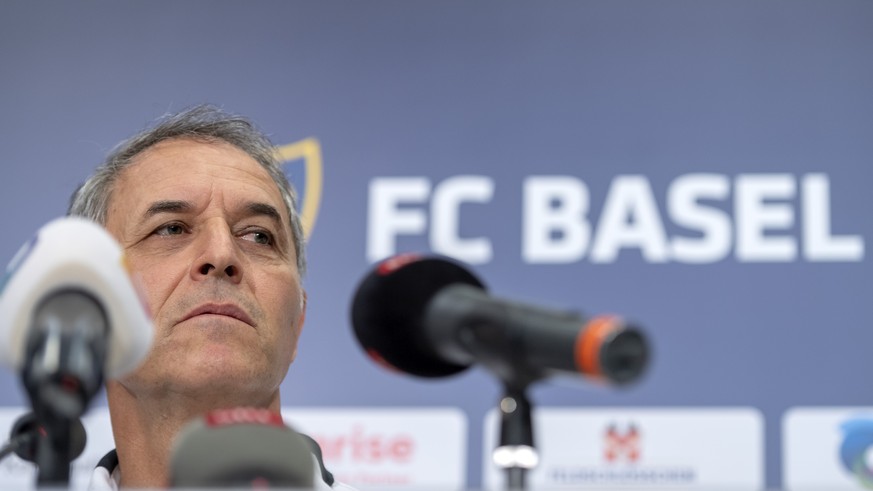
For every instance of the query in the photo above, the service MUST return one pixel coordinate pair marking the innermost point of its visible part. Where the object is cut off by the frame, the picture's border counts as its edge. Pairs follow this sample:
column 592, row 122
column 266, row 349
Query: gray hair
column 205, row 123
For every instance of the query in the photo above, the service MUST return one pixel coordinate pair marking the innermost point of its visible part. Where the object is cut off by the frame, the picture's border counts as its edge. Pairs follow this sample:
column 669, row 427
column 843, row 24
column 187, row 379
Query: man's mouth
column 225, row 309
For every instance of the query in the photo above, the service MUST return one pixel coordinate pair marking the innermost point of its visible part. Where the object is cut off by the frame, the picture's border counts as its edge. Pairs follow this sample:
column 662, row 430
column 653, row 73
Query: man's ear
column 301, row 320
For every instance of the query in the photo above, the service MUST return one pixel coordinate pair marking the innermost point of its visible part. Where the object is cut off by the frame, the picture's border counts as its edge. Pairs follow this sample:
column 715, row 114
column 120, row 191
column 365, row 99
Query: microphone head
column 388, row 312
column 28, row 434
column 75, row 253
column 611, row 350
column 240, row 447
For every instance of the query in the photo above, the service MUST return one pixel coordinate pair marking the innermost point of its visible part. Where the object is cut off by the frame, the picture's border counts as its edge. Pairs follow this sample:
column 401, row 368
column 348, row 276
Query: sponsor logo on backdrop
column 707, row 448
column 304, row 158
column 389, row 448
column 623, row 464
column 827, row 448
column 618, row 445
column 855, row 448
column 370, row 448
column 359, row 446
column 697, row 219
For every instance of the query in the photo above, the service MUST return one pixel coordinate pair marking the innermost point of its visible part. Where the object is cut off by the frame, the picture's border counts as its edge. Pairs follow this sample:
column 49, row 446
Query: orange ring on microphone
column 589, row 342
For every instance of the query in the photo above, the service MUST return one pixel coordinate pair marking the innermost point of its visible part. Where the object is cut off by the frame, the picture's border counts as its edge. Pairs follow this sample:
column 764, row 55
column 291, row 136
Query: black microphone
column 28, row 434
column 66, row 346
column 241, row 448
column 430, row 317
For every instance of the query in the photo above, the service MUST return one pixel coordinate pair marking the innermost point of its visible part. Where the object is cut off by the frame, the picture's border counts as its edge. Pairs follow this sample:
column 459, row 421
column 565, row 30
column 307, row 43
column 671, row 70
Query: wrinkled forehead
column 184, row 168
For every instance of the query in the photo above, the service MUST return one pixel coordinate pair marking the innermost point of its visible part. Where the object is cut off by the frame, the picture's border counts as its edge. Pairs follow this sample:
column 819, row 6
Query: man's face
column 205, row 228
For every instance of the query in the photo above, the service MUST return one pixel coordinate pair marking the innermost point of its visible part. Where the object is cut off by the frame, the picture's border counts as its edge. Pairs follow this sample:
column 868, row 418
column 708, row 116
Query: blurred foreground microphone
column 241, row 448
column 69, row 315
column 431, row 317
column 28, row 435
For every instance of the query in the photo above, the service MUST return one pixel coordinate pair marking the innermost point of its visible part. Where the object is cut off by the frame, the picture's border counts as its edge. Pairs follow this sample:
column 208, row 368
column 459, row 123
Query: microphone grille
column 240, row 448
column 388, row 312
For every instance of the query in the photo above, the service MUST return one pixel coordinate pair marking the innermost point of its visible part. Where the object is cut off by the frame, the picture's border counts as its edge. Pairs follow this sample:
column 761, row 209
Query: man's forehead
column 184, row 169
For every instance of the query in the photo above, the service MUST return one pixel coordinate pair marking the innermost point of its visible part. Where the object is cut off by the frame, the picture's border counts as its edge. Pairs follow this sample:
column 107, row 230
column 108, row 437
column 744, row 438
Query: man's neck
column 145, row 429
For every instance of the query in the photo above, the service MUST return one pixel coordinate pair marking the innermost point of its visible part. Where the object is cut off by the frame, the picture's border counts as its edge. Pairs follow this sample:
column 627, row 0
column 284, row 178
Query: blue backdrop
column 758, row 95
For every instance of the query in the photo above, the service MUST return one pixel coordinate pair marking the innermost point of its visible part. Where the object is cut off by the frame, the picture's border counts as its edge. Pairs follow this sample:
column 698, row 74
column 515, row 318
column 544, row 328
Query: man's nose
column 218, row 254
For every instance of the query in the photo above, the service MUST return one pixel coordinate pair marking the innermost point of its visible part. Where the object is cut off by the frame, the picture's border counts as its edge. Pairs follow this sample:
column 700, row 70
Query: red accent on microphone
column 260, row 483
column 394, row 263
column 375, row 356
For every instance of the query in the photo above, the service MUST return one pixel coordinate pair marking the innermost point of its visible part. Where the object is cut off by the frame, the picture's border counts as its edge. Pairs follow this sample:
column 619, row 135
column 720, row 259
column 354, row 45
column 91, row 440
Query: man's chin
column 207, row 378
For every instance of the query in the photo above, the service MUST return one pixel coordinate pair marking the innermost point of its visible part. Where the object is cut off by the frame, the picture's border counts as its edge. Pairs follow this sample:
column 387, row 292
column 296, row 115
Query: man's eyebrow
column 167, row 206
column 181, row 206
column 266, row 210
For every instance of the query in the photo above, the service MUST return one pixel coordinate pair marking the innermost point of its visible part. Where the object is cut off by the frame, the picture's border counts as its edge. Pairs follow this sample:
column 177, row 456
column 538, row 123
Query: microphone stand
column 8, row 449
column 50, row 448
column 515, row 453
column 66, row 350
column 53, row 457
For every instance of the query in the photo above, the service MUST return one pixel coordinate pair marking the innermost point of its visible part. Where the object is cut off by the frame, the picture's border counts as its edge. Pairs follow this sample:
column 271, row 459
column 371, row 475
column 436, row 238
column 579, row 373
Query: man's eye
column 170, row 229
column 259, row 237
